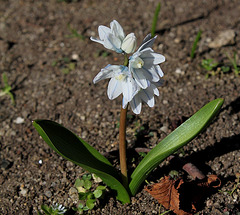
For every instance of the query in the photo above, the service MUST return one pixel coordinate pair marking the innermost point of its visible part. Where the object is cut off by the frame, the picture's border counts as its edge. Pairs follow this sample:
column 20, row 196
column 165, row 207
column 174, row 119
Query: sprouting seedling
column 230, row 192
column 194, row 47
column 234, row 63
column 74, row 33
column 209, row 64
column 56, row 209
column 86, row 192
column 155, row 19
column 6, row 90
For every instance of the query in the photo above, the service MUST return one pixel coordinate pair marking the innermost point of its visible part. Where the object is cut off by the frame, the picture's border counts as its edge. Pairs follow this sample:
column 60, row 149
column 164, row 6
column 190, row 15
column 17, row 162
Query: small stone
column 5, row 164
column 23, row 191
column 179, row 71
column 73, row 193
column 75, row 57
column 164, row 129
column 48, row 193
column 19, row 120
column 177, row 40
column 84, row 134
column 224, row 38
column 165, row 102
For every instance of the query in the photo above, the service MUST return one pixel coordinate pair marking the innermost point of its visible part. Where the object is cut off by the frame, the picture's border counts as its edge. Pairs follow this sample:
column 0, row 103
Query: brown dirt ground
column 33, row 37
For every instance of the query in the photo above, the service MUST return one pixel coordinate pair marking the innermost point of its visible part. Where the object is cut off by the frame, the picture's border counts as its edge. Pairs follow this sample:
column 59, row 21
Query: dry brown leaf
column 183, row 198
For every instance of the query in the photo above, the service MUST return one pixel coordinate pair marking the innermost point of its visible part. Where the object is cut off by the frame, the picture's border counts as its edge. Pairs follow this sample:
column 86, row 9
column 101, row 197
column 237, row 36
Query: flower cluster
column 137, row 81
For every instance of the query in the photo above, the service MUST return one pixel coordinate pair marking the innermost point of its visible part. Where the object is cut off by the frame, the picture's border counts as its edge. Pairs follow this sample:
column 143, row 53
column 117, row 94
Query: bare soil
column 36, row 49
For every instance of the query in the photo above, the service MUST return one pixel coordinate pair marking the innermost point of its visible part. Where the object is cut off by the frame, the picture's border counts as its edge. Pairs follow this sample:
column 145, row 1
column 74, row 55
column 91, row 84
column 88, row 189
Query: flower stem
column 122, row 140
column 122, row 146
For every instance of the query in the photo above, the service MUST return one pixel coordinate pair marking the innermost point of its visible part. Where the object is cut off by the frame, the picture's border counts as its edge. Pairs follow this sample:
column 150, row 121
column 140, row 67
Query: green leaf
column 90, row 203
column 175, row 140
column 46, row 209
column 97, row 193
column 82, row 196
column 80, row 205
column 73, row 148
column 155, row 18
column 194, row 47
column 87, row 184
column 87, row 177
column 101, row 187
column 90, row 195
column 79, row 183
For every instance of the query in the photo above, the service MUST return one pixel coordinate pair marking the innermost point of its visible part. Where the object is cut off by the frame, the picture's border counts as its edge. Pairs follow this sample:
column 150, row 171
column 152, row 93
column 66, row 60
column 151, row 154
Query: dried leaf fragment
column 183, row 198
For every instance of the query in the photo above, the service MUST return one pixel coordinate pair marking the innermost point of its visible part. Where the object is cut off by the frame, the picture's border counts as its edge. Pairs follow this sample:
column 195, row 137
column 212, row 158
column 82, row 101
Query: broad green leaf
column 90, row 203
column 87, row 184
column 97, row 193
column 175, row 140
column 46, row 209
column 79, row 183
column 74, row 149
column 100, row 187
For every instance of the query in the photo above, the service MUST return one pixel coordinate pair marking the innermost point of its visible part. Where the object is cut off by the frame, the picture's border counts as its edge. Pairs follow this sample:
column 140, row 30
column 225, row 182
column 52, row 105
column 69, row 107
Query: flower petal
column 140, row 78
column 108, row 72
column 117, row 30
column 159, row 83
column 103, row 31
column 149, row 57
column 114, row 88
column 155, row 89
column 113, row 43
column 159, row 71
column 129, row 88
column 96, row 40
column 136, row 104
column 151, row 74
column 147, row 96
column 149, row 43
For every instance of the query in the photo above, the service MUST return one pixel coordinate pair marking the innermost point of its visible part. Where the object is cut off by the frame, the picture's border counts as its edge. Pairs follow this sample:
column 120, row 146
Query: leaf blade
column 73, row 148
column 175, row 140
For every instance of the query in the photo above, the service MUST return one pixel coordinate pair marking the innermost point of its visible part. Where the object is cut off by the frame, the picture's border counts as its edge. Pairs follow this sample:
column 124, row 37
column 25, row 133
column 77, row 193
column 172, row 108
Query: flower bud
column 129, row 43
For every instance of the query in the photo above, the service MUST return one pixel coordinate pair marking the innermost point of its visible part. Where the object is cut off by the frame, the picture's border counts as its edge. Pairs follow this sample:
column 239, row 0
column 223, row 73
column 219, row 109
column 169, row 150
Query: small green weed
column 230, row 192
column 214, row 68
column 87, row 194
column 194, row 47
column 236, row 68
column 6, row 90
column 74, row 33
column 155, row 19
column 52, row 210
column 209, row 64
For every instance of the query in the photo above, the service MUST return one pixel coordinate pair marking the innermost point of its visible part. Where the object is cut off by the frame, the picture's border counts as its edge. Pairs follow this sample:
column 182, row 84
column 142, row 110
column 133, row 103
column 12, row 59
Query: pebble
column 224, row 38
column 23, row 191
column 73, row 193
column 75, row 56
column 164, row 129
column 5, row 164
column 48, row 193
column 18, row 120
column 165, row 102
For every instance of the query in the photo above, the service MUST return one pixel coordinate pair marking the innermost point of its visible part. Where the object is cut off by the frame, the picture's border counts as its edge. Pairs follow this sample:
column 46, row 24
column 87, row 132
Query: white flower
column 121, row 82
column 59, row 209
column 146, row 95
column 113, row 37
column 129, row 43
column 144, row 64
